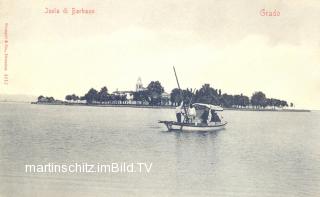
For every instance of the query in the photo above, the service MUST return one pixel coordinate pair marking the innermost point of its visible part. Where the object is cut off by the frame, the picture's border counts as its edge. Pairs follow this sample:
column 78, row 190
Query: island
column 154, row 96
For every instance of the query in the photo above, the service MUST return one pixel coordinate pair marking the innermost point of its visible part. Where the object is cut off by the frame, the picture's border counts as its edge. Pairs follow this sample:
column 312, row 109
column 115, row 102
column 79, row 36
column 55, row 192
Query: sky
column 227, row 44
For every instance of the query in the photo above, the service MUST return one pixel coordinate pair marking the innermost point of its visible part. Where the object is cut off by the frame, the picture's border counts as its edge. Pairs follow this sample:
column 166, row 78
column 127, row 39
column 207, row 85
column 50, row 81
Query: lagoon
column 258, row 153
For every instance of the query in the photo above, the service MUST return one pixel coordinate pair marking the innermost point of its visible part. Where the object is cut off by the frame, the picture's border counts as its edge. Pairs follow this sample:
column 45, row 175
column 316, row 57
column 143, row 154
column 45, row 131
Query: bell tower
column 139, row 85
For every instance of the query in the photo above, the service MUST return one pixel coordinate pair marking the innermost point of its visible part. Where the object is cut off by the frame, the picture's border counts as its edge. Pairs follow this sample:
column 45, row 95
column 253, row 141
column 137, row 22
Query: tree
column 175, row 96
column 187, row 96
column 207, row 95
column 258, row 99
column 141, row 96
column 155, row 90
column 68, row 97
column 117, row 98
column 123, row 99
column 237, row 100
column 226, row 100
column 50, row 99
column 283, row 103
column 272, row 102
column 40, row 98
column 74, row 97
column 244, row 101
column 91, row 95
column 112, row 98
column 103, row 94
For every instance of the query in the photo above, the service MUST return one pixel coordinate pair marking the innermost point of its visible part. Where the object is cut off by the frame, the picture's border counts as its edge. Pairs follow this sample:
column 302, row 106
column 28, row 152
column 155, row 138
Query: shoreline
column 166, row 107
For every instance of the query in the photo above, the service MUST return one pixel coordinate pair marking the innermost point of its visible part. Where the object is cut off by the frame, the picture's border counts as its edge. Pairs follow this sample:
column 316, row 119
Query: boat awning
column 212, row 107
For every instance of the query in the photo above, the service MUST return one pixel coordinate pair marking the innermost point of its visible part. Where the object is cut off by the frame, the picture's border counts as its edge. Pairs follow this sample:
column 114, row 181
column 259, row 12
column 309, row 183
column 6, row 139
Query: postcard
column 159, row 98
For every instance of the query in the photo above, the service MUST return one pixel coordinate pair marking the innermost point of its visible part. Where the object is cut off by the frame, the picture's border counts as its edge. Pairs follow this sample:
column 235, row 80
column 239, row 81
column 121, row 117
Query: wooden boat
column 211, row 125
column 172, row 126
column 199, row 117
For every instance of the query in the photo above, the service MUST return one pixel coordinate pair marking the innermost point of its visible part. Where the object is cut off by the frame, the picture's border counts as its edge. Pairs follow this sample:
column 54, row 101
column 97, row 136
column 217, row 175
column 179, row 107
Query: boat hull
column 192, row 127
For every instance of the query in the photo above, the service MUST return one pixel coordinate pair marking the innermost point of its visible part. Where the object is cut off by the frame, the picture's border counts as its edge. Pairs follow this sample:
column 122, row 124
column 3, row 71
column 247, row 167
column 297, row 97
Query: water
column 258, row 154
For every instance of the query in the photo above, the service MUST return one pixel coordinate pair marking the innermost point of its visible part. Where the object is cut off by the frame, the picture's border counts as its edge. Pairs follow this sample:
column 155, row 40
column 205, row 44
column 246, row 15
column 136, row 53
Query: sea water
column 257, row 154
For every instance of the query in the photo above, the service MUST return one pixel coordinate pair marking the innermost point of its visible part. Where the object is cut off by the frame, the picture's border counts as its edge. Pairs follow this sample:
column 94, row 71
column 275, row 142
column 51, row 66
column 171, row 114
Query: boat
column 176, row 126
column 198, row 124
column 203, row 117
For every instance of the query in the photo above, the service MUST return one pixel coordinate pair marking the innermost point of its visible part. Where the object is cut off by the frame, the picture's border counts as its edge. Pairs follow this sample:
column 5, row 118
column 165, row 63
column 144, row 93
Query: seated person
column 215, row 117
column 204, row 116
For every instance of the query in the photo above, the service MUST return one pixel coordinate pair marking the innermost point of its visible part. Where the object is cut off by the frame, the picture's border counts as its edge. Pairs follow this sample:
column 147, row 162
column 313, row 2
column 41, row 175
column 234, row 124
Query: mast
column 176, row 78
column 181, row 95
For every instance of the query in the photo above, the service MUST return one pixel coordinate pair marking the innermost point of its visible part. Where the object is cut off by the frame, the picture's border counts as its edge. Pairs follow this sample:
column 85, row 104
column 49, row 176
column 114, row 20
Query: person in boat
column 179, row 112
column 192, row 114
column 215, row 117
column 204, row 116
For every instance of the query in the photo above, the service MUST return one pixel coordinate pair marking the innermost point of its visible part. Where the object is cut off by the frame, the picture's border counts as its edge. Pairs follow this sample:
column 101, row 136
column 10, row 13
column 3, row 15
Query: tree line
column 95, row 96
column 209, row 95
column 153, row 95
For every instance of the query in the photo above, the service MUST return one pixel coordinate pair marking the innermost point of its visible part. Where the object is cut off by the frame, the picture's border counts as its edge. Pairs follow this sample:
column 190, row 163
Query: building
column 139, row 85
column 128, row 94
column 165, row 99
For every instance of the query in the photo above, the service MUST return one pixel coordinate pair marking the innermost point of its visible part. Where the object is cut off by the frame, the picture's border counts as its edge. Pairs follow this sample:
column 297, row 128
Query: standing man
column 192, row 114
column 179, row 112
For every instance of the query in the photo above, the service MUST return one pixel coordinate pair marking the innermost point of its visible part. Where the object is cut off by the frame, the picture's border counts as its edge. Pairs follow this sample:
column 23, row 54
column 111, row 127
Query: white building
column 139, row 85
column 128, row 94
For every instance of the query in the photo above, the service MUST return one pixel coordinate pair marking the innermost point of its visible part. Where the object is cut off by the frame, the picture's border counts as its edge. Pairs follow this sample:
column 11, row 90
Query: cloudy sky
column 225, row 43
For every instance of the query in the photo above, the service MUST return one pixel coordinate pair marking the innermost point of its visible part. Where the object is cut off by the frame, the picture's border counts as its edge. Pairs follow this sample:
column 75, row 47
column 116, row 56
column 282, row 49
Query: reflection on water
column 258, row 154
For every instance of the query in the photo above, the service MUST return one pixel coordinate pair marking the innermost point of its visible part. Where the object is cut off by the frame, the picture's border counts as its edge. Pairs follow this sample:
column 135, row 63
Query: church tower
column 139, row 85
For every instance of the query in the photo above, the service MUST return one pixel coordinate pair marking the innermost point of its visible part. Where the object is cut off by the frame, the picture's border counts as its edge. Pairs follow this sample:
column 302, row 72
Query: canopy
column 212, row 107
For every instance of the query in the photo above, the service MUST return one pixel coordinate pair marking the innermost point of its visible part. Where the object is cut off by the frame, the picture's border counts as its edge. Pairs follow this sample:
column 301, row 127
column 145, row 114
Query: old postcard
column 159, row 98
